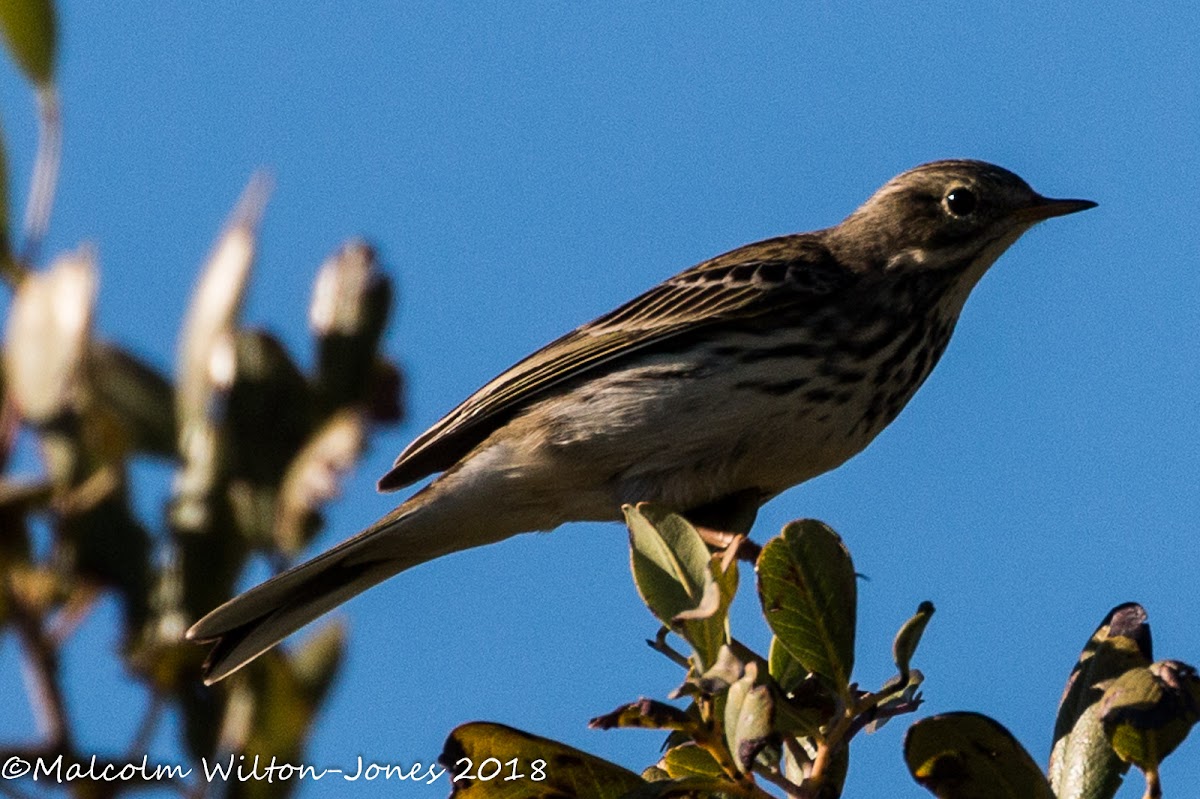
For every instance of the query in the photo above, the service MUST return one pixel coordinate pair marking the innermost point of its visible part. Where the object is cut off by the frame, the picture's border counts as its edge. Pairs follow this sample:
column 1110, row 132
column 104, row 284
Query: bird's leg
column 725, row 524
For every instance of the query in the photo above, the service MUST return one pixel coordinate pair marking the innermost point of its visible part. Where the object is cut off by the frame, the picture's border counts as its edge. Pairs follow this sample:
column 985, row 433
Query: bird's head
column 944, row 215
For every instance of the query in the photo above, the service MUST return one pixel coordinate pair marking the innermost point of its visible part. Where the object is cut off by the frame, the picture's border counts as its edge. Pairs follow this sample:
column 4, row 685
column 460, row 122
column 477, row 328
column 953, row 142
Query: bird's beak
column 1046, row 207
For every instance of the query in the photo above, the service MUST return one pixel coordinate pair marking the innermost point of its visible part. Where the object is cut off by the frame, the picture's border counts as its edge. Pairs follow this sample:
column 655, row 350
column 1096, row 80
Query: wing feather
column 739, row 285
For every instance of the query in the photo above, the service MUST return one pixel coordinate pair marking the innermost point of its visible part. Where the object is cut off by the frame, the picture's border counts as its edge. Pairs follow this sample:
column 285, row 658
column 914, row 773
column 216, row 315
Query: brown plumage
column 710, row 393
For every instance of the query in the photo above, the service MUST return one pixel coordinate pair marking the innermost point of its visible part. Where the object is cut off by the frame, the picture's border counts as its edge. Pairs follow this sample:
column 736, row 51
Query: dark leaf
column 140, row 397
column 107, row 544
column 269, row 414
column 1148, row 712
column 969, row 756
column 1082, row 763
column 785, row 669
column 349, row 311
column 30, row 28
column 803, row 712
column 312, row 477
column 549, row 768
column 644, row 714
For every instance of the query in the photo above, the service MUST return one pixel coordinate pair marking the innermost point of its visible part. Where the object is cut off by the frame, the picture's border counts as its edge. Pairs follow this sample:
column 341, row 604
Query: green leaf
column 669, row 560
column 282, row 706
column 678, row 579
column 785, row 669
column 909, row 636
column 690, row 760
column 30, row 28
column 806, row 583
column 1083, row 764
column 969, row 756
column 806, row 710
column 749, row 718
column 268, row 416
column 109, row 545
column 549, row 768
column 316, row 661
column 141, row 398
column 1148, row 712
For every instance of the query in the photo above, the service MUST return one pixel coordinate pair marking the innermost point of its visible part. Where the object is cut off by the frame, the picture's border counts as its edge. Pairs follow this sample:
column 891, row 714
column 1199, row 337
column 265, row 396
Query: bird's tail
column 251, row 623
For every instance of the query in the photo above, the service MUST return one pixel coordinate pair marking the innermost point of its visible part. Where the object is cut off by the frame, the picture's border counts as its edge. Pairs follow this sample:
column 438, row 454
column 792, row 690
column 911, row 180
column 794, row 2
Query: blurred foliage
column 257, row 445
column 748, row 726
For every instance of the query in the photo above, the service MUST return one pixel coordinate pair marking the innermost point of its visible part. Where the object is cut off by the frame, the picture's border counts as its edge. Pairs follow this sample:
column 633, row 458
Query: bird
column 709, row 394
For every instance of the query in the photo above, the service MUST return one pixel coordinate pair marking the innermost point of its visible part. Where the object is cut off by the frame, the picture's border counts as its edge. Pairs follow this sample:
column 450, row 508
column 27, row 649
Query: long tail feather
column 250, row 624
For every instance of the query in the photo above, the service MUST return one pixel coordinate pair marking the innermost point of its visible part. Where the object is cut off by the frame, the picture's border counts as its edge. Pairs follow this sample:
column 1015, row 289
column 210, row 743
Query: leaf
column 669, row 561
column 644, row 714
column 806, row 583
column 268, row 415
column 205, row 342
column 549, row 768
column 312, row 478
column 724, row 672
column 315, row 662
column 804, row 711
column 909, row 637
column 1148, row 712
column 30, row 28
column 108, row 544
column 707, row 628
column 281, row 710
column 24, row 496
column 48, row 330
column 348, row 313
column 749, row 718
column 690, row 760
column 785, row 669
column 970, row 756
column 1083, row 764
column 678, row 579
column 140, row 397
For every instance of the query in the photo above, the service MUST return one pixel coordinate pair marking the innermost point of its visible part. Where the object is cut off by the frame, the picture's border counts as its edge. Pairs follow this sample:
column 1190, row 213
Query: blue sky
column 524, row 170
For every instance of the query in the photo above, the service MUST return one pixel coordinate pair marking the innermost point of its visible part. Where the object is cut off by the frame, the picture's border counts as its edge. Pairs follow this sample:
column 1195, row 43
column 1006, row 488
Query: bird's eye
column 961, row 201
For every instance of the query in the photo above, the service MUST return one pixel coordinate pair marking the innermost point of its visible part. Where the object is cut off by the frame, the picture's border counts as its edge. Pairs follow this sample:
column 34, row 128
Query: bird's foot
column 732, row 546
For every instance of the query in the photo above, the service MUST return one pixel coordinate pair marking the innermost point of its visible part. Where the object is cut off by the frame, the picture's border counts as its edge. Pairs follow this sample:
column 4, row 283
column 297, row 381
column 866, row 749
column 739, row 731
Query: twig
column 660, row 645
column 783, row 783
column 41, row 673
column 881, row 713
column 45, row 173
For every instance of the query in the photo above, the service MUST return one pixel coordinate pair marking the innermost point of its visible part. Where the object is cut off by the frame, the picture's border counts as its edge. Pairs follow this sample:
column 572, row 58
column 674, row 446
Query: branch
column 42, row 675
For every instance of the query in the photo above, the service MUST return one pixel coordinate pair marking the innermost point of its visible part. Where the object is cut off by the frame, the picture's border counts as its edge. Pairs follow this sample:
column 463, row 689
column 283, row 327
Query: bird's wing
column 739, row 285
